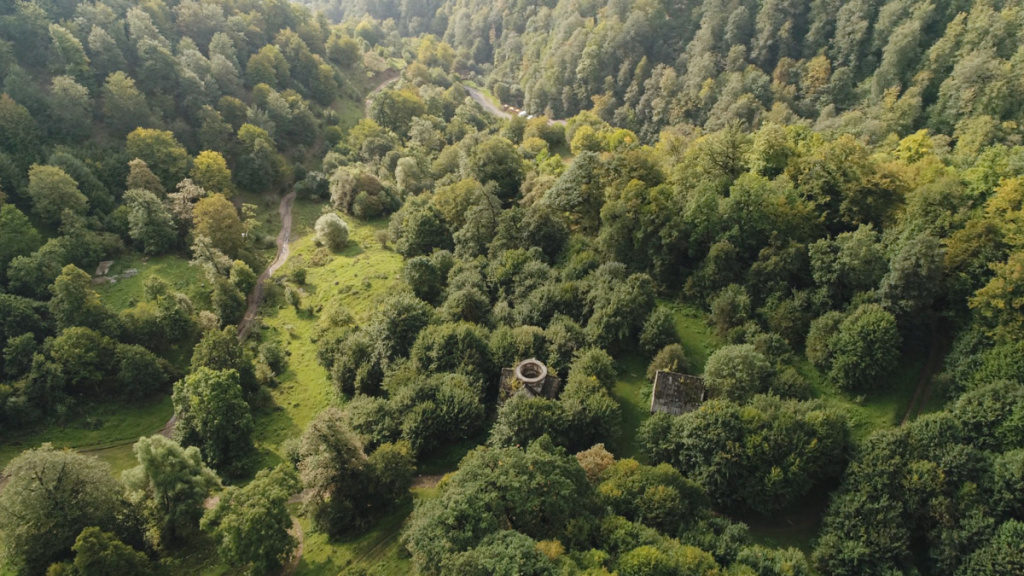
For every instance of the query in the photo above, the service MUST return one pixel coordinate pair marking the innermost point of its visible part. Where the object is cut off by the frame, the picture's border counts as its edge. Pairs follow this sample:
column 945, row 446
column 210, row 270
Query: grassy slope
column 172, row 268
column 107, row 433
column 356, row 276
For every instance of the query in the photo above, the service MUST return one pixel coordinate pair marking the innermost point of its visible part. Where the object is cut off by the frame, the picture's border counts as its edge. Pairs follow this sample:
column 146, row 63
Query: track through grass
column 354, row 279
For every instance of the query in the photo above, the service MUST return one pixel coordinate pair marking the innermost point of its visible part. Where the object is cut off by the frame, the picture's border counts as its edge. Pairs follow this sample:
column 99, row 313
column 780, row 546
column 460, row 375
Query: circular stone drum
column 531, row 371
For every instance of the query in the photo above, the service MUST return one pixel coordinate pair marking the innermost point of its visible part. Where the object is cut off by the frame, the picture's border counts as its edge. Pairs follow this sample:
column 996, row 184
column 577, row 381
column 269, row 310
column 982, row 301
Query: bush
column 866, row 348
column 591, row 414
column 737, row 372
column 788, row 383
column 659, row 331
column 510, row 346
column 366, row 206
column 422, row 275
column 523, row 419
column 331, row 231
column 461, row 348
column 820, row 337
column 594, row 363
column 730, row 308
column 274, row 355
column 671, row 358
column 564, row 337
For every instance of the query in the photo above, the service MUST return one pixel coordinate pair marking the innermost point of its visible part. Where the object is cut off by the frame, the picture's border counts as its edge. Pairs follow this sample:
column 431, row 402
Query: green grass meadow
column 107, row 432
column 354, row 278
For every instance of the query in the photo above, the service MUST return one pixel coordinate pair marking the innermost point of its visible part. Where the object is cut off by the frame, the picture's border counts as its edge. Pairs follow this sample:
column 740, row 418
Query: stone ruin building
column 530, row 377
column 676, row 394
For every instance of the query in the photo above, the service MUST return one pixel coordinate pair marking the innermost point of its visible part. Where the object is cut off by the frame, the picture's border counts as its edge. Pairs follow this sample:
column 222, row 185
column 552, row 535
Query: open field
column 108, row 432
column 352, row 279
column 172, row 268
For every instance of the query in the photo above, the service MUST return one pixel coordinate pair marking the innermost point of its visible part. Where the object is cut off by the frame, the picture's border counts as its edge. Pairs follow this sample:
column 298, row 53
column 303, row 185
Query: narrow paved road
column 493, row 110
column 285, row 209
column 486, row 104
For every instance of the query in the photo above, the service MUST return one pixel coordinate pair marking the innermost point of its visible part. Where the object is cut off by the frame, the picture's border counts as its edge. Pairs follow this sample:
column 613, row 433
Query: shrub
column 594, row 363
column 737, row 372
column 671, row 358
column 866, row 348
column 659, row 331
column 331, row 231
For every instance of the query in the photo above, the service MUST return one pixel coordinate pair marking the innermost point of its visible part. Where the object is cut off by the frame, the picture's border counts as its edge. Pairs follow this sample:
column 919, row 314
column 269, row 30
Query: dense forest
column 869, row 68
column 321, row 231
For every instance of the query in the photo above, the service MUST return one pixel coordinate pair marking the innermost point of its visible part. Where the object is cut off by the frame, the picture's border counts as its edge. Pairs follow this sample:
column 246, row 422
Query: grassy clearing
column 632, row 389
column 349, row 112
column 447, row 458
column 199, row 558
column 868, row 413
column 172, row 268
column 379, row 548
column 696, row 338
column 796, row 528
column 353, row 278
column 633, row 393
column 871, row 412
column 107, row 432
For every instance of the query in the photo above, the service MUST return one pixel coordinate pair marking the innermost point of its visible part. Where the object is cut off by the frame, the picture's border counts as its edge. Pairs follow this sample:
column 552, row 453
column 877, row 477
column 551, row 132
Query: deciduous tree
column 210, row 172
column 252, row 523
column 161, row 151
column 74, row 302
column 170, row 485
column 334, row 473
column 17, row 237
column 124, row 106
column 149, row 223
column 50, row 497
column 217, row 219
column 52, row 192
column 213, row 415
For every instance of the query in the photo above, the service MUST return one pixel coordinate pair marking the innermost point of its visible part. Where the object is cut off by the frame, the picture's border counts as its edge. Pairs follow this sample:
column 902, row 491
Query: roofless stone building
column 676, row 393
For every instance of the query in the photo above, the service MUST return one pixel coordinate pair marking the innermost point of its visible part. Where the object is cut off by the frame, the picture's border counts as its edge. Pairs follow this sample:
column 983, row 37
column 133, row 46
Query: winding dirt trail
column 389, row 79
column 300, row 539
column 285, row 209
column 283, row 237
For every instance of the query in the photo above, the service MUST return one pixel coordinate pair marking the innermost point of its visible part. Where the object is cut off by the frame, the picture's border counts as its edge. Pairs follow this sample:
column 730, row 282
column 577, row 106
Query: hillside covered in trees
column 868, row 67
column 816, row 206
